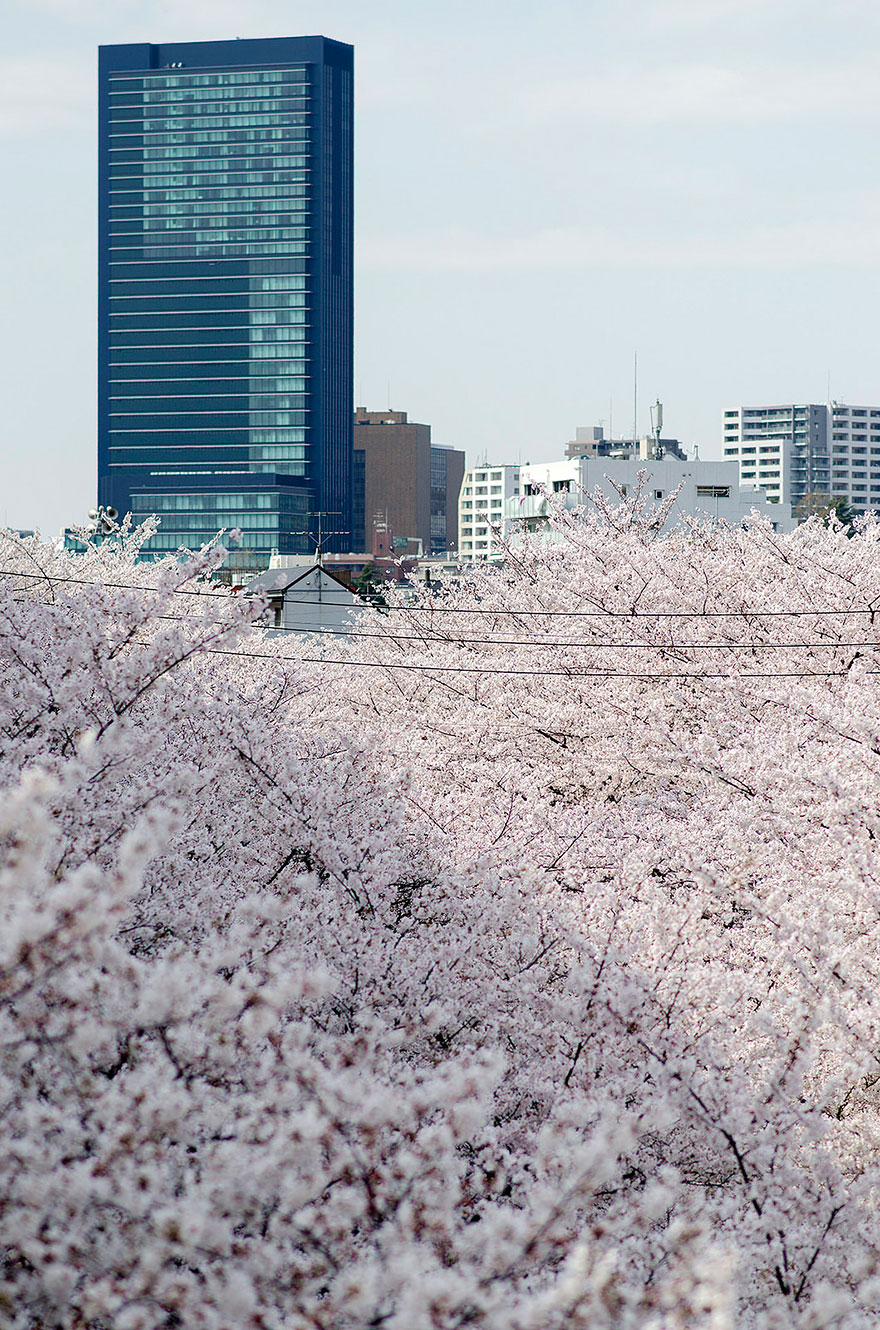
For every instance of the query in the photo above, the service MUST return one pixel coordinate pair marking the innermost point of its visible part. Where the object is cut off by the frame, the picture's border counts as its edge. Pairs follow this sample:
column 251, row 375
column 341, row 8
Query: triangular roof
column 279, row 580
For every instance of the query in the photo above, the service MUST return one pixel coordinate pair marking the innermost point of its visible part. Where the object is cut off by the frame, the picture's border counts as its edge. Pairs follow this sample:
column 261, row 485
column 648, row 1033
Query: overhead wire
column 565, row 672
column 745, row 612
column 571, row 673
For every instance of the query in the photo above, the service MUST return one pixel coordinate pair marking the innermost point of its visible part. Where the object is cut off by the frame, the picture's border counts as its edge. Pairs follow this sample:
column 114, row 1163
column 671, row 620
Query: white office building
column 708, row 491
column 808, row 448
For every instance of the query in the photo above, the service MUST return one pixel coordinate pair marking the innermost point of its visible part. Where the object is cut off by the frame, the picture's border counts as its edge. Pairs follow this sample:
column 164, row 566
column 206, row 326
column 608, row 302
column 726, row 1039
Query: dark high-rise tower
column 225, row 289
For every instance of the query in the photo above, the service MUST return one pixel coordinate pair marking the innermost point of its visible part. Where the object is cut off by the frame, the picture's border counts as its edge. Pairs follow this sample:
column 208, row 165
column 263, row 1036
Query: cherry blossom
column 511, row 962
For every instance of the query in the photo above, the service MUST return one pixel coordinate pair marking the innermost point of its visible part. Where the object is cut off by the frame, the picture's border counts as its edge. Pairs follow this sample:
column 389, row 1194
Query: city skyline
column 539, row 194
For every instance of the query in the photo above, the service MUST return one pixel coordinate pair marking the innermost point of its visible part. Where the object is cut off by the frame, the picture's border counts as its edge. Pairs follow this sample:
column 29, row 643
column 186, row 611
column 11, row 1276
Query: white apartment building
column 808, row 448
column 708, row 491
column 484, row 492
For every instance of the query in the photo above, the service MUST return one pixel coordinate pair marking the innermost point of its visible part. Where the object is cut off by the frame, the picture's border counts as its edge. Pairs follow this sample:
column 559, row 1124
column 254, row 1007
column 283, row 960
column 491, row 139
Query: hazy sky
column 541, row 191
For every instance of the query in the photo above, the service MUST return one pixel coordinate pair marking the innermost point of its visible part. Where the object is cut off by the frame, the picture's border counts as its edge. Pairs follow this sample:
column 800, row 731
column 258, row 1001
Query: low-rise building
column 590, row 441
column 707, row 491
column 306, row 598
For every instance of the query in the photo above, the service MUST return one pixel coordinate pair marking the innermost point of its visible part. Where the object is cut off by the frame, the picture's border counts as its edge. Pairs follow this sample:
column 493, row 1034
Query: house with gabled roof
column 307, row 598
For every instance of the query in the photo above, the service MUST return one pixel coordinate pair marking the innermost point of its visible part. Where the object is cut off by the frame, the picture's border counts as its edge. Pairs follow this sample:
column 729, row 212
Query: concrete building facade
column 484, row 492
column 708, row 491
column 808, row 448
column 590, row 441
column 409, row 484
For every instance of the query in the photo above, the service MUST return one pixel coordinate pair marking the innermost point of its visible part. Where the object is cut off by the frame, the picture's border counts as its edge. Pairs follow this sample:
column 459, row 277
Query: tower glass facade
column 225, row 289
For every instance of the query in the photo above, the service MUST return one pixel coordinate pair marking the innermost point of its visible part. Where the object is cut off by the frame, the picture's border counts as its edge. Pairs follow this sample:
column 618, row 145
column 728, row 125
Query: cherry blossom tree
column 511, row 962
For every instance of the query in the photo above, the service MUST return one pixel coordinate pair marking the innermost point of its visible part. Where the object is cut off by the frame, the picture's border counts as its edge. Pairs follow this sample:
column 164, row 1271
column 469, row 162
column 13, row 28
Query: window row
column 184, row 123
column 149, row 440
column 295, row 138
column 168, row 342
column 261, row 155
column 292, row 83
column 293, row 97
column 213, row 503
column 292, row 189
column 170, row 235
column 199, row 247
column 140, row 184
column 157, row 213
column 260, row 375
column 221, row 251
column 192, row 80
column 199, row 449
column 174, row 307
column 157, row 355
column 186, row 523
column 236, row 400
column 122, row 422
column 146, row 326
column 157, row 164
column 192, row 288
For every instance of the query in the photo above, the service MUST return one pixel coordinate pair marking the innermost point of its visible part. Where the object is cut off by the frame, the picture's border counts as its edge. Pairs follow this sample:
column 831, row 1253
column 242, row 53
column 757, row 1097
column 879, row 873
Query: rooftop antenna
column 657, row 425
column 635, row 396
column 322, row 535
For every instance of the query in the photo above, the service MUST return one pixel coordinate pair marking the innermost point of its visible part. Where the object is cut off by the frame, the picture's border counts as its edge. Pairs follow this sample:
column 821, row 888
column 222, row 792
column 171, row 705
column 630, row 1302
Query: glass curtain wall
column 212, row 181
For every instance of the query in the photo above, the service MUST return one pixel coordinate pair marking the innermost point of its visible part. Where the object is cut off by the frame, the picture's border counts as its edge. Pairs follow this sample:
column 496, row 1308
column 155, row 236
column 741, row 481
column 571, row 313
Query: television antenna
column 322, row 534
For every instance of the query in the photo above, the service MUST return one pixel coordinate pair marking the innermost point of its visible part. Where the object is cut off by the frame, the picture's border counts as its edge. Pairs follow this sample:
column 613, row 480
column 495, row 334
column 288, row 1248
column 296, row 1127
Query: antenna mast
column 322, row 534
column 657, row 425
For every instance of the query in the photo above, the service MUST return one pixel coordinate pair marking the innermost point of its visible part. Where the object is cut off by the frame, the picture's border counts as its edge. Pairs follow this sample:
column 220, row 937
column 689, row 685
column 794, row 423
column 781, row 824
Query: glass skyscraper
column 225, row 290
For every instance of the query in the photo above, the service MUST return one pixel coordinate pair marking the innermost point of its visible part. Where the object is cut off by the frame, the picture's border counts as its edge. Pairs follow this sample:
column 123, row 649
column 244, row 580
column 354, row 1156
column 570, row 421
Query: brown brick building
column 405, row 481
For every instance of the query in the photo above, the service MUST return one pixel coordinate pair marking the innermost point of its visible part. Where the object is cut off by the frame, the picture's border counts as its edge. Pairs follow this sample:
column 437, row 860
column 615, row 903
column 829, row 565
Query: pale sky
column 542, row 190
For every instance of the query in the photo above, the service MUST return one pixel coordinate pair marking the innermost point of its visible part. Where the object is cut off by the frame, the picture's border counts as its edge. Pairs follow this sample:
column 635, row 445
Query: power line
column 116, row 586
column 306, row 630
column 309, row 631
column 601, row 614
column 650, row 677
column 470, row 609
column 567, row 673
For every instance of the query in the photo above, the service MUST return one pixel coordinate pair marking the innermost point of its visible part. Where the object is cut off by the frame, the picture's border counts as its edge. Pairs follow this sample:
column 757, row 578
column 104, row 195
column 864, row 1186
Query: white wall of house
column 311, row 601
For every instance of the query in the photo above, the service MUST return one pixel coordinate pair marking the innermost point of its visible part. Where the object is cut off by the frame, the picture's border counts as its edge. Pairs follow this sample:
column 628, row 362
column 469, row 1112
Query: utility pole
column 322, row 534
